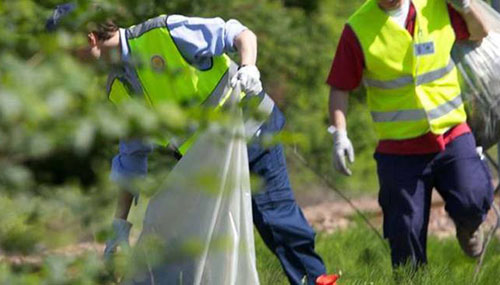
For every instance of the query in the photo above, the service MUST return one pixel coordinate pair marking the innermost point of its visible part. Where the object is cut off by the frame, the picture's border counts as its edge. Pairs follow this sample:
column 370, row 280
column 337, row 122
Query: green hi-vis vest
column 160, row 73
column 412, row 83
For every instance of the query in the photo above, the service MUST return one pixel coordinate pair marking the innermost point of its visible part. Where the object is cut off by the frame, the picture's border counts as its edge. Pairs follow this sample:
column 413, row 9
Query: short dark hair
column 89, row 17
column 104, row 30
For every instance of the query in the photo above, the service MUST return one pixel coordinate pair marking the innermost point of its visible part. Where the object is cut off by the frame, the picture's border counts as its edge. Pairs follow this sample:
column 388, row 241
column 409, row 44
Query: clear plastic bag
column 198, row 228
column 479, row 66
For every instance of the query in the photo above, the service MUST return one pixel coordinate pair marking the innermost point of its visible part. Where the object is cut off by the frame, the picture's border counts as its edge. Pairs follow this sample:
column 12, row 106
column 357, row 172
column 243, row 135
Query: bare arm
column 338, row 108
column 123, row 204
column 246, row 43
column 342, row 146
column 476, row 26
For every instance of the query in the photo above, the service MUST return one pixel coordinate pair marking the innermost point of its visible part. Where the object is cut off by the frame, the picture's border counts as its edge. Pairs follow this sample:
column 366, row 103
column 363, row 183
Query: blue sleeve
column 131, row 161
column 199, row 39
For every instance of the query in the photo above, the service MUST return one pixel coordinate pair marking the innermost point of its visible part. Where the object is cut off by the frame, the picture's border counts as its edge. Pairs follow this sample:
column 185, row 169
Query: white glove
column 342, row 147
column 460, row 5
column 249, row 78
column 480, row 152
column 121, row 232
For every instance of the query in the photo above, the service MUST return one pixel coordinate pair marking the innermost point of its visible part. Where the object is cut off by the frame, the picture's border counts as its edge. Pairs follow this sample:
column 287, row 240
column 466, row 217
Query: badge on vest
column 424, row 49
column 158, row 63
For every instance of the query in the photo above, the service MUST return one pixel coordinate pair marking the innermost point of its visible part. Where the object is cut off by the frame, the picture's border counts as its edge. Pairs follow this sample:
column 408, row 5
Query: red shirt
column 347, row 72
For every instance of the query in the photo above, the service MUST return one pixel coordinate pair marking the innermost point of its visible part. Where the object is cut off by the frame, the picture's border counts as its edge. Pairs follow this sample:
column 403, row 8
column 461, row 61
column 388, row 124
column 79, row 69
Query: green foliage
column 58, row 131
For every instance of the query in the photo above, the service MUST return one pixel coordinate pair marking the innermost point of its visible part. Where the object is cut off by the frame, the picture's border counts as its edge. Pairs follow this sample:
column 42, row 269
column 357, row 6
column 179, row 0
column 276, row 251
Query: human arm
column 248, row 75
column 129, row 164
column 200, row 39
column 343, row 148
column 345, row 75
column 338, row 105
column 120, row 226
column 246, row 44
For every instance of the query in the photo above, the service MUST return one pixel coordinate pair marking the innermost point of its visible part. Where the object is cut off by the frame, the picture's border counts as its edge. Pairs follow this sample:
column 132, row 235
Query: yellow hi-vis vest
column 412, row 83
column 161, row 74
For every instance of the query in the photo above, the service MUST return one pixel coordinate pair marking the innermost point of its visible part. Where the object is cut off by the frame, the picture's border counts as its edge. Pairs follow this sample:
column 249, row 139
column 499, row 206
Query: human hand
column 460, row 5
column 249, row 78
column 342, row 147
column 121, row 232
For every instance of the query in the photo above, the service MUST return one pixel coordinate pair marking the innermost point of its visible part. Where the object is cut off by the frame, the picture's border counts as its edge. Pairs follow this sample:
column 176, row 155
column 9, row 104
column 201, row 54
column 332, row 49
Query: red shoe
column 327, row 279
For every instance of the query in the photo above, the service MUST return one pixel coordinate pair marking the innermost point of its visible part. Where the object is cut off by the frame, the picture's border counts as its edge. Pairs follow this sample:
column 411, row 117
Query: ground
column 332, row 214
column 348, row 246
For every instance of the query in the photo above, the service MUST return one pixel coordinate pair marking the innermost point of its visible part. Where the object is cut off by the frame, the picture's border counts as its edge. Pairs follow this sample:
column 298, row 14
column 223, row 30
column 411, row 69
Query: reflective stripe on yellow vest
column 412, row 83
column 164, row 74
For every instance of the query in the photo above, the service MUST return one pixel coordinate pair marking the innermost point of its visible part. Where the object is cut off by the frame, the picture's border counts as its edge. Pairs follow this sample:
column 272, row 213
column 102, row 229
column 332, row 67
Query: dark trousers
column 276, row 214
column 406, row 183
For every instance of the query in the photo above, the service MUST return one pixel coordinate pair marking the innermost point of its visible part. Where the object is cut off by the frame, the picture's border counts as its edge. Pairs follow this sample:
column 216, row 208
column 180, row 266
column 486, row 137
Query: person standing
column 401, row 51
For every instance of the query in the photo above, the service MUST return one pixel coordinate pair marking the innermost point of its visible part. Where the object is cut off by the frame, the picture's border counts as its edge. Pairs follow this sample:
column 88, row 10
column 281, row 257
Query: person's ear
column 92, row 39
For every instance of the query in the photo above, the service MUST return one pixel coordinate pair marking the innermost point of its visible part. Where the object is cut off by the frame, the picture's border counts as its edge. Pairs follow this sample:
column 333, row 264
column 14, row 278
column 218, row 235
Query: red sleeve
column 459, row 25
column 346, row 72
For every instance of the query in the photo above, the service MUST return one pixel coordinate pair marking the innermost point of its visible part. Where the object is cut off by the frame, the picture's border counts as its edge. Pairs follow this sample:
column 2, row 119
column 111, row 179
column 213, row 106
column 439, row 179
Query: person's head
column 94, row 22
column 388, row 5
column 102, row 38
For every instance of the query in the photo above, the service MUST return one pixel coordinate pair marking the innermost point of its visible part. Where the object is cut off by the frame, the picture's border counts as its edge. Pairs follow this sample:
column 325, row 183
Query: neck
column 111, row 48
column 113, row 42
column 386, row 8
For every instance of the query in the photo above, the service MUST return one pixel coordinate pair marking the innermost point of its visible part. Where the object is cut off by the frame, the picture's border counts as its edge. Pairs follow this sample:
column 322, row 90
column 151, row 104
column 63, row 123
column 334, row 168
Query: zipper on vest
column 417, row 57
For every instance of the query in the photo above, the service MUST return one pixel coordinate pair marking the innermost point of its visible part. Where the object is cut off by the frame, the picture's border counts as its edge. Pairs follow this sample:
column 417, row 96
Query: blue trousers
column 406, row 182
column 276, row 215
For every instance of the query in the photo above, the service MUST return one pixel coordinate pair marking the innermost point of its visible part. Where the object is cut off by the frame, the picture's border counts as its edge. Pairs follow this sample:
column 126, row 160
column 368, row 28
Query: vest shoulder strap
column 144, row 27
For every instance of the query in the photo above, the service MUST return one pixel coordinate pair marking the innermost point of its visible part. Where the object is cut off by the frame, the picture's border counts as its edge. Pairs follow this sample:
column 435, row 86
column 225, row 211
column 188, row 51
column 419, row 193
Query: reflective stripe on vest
column 165, row 75
column 411, row 82
column 418, row 114
column 171, row 74
column 408, row 79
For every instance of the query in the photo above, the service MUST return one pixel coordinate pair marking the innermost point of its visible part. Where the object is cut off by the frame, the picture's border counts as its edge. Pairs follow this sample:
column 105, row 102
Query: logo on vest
column 158, row 63
column 424, row 49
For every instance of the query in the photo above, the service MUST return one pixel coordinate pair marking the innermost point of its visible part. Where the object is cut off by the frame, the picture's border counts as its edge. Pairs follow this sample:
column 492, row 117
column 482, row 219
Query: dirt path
column 326, row 212
column 331, row 215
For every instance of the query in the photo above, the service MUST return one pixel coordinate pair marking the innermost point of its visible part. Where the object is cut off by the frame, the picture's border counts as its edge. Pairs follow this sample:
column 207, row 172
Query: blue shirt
column 198, row 40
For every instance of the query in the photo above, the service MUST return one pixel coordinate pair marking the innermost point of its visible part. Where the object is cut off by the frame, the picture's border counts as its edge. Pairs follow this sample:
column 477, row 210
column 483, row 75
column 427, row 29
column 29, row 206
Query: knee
column 471, row 208
column 289, row 225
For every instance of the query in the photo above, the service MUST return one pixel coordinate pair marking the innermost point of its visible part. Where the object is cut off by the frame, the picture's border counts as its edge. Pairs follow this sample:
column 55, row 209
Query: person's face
column 389, row 5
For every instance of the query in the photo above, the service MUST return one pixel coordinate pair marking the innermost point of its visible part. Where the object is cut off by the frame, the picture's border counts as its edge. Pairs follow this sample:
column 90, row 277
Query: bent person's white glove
column 460, row 5
column 121, row 232
column 342, row 148
column 249, row 78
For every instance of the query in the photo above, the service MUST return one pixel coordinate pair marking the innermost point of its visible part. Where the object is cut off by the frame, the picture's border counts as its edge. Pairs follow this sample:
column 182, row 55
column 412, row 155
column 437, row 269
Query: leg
column 277, row 216
column 464, row 182
column 405, row 197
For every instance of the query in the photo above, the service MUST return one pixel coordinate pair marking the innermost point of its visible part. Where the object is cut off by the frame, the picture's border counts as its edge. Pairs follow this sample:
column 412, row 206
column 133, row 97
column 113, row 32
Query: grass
column 363, row 259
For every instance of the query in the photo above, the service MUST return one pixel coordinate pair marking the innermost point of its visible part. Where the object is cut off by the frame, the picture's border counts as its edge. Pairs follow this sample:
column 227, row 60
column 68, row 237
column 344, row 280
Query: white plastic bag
column 198, row 228
column 479, row 65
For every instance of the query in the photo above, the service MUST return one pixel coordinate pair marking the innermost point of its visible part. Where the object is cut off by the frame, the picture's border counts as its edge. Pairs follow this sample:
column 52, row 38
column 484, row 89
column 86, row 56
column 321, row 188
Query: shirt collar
column 124, row 46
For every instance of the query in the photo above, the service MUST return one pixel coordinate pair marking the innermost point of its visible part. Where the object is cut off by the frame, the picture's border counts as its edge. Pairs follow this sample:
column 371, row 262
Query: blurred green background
column 58, row 132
